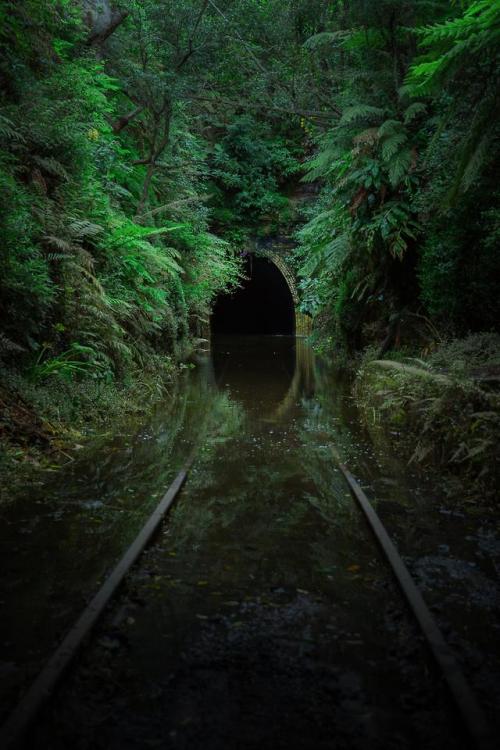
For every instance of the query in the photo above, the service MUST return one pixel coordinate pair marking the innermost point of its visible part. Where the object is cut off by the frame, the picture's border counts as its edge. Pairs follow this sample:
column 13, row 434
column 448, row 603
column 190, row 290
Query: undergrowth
column 442, row 409
column 45, row 422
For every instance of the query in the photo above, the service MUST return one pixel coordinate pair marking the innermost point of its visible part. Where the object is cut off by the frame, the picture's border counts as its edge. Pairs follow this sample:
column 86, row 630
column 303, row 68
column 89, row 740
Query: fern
column 399, row 166
column 9, row 347
column 414, row 110
column 59, row 243
column 474, row 33
column 475, row 162
column 51, row 166
column 389, row 127
column 326, row 38
column 8, row 130
column 391, row 146
column 363, row 112
column 82, row 229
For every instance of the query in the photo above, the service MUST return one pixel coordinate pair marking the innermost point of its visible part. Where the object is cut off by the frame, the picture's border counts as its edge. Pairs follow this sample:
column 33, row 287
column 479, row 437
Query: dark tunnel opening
column 262, row 305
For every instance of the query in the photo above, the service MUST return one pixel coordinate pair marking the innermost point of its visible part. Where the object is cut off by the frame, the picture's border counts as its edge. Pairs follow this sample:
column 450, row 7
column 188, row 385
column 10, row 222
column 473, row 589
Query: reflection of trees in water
column 227, row 491
column 327, row 422
column 242, row 500
column 345, row 536
column 100, row 502
column 256, row 370
column 220, row 500
column 191, row 520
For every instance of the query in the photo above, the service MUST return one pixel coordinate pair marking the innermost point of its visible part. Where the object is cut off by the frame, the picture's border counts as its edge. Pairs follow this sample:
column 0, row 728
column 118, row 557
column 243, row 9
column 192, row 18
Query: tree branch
column 123, row 121
column 156, row 152
column 141, row 162
column 190, row 50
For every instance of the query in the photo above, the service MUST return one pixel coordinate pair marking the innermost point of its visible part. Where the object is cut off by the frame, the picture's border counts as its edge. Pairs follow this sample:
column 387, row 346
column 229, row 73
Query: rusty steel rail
column 463, row 696
column 42, row 688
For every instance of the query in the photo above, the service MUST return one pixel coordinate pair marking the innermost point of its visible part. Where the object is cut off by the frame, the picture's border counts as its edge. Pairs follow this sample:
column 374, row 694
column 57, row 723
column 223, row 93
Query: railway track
column 42, row 689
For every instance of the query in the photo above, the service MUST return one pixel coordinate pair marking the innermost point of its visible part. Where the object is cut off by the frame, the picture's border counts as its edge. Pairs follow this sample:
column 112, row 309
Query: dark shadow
column 262, row 305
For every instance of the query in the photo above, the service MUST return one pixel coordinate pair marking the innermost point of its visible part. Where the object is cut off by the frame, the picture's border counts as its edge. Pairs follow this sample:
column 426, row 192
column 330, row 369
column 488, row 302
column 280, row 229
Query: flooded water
column 263, row 614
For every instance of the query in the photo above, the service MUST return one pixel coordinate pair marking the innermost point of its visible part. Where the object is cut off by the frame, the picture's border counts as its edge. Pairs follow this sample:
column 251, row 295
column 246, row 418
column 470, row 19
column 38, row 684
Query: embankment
column 442, row 411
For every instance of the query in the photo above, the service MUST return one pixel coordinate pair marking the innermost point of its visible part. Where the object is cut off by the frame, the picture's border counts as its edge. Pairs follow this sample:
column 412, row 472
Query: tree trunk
column 102, row 20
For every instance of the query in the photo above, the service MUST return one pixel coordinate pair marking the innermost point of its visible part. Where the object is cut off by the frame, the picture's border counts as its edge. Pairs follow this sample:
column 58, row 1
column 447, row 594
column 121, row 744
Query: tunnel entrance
column 262, row 305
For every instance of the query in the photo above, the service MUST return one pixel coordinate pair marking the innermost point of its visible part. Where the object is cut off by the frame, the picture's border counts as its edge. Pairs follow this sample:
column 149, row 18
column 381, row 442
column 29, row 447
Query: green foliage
column 25, row 282
column 463, row 54
column 456, row 42
column 135, row 170
column 107, row 255
column 407, row 168
column 445, row 405
column 65, row 365
column 250, row 163
column 456, row 287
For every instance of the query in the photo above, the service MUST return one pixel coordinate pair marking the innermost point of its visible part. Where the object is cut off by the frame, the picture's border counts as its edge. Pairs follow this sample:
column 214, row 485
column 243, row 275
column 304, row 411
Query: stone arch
column 285, row 272
column 302, row 322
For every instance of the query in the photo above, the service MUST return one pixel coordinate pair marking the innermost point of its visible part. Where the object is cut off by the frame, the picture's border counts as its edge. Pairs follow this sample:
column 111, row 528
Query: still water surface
column 263, row 615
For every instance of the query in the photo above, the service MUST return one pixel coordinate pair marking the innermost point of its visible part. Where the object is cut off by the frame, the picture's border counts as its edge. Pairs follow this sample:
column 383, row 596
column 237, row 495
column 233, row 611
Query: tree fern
column 389, row 127
column 8, row 130
column 476, row 160
column 474, row 33
column 327, row 38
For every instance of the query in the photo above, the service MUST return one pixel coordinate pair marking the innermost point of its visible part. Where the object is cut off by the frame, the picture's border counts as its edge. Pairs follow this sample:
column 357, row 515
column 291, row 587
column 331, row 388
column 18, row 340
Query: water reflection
column 264, row 517
column 266, row 375
column 60, row 538
column 256, row 371
column 265, row 598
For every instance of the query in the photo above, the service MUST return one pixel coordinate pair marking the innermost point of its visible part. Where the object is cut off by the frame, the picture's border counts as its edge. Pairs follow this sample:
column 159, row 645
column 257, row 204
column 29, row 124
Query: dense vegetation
column 408, row 222
column 142, row 142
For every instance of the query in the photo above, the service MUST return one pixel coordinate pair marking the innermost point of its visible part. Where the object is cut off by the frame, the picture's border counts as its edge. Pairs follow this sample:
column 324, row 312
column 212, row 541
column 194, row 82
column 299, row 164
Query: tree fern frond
column 57, row 256
column 476, row 161
column 326, row 38
column 8, row 130
column 58, row 242
column 81, row 228
column 337, row 251
column 476, row 31
column 399, row 166
column 392, row 145
column 413, row 111
column 6, row 345
column 389, row 127
column 51, row 166
column 361, row 112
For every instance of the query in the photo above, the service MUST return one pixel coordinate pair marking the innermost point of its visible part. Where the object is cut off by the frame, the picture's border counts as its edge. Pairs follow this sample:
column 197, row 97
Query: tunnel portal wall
column 266, row 303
